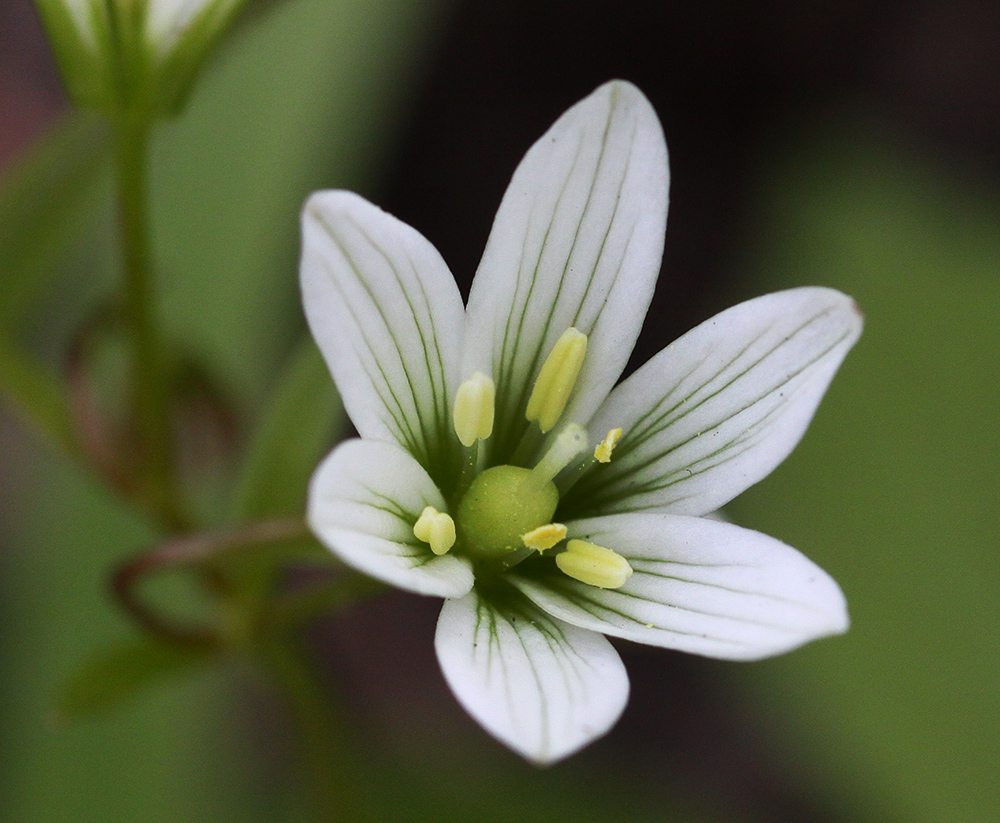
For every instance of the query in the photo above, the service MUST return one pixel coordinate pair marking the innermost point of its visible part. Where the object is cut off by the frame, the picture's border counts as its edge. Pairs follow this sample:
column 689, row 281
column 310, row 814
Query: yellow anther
column 557, row 379
column 594, row 565
column 602, row 454
column 435, row 528
column 473, row 411
column 544, row 537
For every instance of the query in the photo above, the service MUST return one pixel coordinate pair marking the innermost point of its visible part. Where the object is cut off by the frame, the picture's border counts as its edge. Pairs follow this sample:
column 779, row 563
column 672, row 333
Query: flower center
column 510, row 507
column 502, row 504
column 506, row 512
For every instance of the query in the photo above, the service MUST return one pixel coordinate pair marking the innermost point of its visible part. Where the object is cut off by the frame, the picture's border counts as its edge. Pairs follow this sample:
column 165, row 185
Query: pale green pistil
column 502, row 504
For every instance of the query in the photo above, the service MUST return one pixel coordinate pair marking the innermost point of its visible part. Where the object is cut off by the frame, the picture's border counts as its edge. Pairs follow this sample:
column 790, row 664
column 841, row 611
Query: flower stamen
column 594, row 565
column 557, row 379
column 602, row 454
column 570, row 442
column 436, row 528
column 544, row 537
column 474, row 408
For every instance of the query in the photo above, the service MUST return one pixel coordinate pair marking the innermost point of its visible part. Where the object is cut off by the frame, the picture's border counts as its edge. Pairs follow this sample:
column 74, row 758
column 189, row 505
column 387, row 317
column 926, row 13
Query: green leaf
column 108, row 679
column 83, row 67
column 308, row 97
column 46, row 200
column 43, row 205
column 894, row 489
column 37, row 396
column 179, row 69
column 294, row 433
column 312, row 96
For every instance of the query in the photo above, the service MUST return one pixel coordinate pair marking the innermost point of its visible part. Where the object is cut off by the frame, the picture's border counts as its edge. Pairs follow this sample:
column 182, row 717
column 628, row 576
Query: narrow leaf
column 107, row 680
column 296, row 430
column 43, row 201
column 37, row 396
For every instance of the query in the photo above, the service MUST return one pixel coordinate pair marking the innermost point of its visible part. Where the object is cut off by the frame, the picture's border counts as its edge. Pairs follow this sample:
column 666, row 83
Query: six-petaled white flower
column 500, row 468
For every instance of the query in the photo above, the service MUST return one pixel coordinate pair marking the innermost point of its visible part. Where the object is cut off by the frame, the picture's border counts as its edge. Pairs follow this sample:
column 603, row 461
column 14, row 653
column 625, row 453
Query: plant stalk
column 336, row 783
column 150, row 397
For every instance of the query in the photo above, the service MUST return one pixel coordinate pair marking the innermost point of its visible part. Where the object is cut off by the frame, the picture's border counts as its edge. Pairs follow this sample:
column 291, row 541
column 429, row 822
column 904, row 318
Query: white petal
column 698, row 585
column 82, row 13
column 577, row 241
column 717, row 410
column 166, row 20
column 388, row 318
column 540, row 686
column 363, row 501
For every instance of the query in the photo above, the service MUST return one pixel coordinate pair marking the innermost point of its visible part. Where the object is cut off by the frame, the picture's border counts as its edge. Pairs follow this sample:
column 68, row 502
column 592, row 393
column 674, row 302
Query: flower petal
column 167, row 20
column 540, row 686
column 717, row 410
column 577, row 241
column 363, row 501
column 698, row 585
column 388, row 318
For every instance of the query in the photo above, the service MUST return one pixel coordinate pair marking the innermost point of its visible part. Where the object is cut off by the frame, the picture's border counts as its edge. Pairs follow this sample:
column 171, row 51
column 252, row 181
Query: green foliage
column 894, row 488
column 114, row 62
column 296, row 429
column 108, row 679
column 44, row 201
column 37, row 395
column 307, row 96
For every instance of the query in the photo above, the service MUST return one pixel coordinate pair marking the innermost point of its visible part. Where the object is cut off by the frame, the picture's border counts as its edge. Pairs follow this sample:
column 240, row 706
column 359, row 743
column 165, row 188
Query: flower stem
column 336, row 795
column 148, row 379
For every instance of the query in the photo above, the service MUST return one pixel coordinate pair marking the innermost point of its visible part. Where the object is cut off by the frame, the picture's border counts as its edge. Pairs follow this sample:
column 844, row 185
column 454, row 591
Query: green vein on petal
column 542, row 687
column 576, row 242
column 387, row 315
column 718, row 409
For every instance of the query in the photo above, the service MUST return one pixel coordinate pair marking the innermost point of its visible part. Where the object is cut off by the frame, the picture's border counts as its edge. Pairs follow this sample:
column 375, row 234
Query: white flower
column 163, row 22
column 134, row 55
column 545, row 534
column 167, row 20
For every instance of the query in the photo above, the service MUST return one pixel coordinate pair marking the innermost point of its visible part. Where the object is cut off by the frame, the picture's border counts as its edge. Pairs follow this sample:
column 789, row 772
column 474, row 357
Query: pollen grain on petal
column 557, row 379
column 594, row 565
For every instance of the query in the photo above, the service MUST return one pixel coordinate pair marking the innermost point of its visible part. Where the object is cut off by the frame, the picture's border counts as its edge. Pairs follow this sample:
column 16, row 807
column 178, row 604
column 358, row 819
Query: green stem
column 321, row 731
column 149, row 389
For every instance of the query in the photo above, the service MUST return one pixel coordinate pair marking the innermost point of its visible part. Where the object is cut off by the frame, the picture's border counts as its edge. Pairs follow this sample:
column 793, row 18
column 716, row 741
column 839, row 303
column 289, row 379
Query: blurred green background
column 810, row 144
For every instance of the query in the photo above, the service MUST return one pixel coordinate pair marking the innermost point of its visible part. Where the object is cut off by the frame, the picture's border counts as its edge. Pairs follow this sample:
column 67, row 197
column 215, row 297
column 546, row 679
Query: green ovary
column 502, row 504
